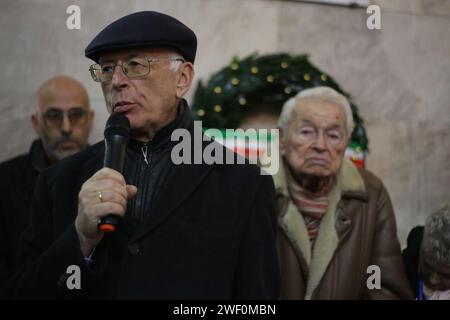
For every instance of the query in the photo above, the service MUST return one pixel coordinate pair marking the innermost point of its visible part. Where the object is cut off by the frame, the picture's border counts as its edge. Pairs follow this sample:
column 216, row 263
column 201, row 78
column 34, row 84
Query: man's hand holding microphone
column 103, row 197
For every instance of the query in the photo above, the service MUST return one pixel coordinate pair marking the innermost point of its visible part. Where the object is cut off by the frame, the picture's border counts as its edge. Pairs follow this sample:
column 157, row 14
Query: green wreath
column 257, row 82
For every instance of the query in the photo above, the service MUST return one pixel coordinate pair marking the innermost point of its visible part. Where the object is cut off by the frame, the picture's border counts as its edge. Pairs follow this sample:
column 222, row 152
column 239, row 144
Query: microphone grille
column 117, row 124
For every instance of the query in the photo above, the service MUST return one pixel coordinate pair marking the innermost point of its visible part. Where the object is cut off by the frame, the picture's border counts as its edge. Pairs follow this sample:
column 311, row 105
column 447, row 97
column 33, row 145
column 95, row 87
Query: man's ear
column 35, row 122
column 184, row 79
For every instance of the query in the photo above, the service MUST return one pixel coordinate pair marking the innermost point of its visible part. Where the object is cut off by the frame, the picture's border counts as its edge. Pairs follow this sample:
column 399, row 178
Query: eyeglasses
column 54, row 117
column 136, row 67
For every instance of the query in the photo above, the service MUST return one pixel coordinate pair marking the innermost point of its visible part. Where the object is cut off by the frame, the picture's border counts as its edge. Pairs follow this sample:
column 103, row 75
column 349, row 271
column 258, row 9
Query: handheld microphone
column 117, row 133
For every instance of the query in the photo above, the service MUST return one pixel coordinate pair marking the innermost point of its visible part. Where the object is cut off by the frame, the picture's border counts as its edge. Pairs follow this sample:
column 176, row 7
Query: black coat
column 211, row 235
column 18, row 177
column 411, row 256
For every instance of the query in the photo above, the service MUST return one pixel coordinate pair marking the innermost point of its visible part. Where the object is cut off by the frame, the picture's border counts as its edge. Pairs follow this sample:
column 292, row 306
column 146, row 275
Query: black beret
column 142, row 29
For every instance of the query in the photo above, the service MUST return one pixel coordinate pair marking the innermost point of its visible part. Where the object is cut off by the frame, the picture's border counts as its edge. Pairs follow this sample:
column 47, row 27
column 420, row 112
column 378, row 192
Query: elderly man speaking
column 337, row 222
column 185, row 231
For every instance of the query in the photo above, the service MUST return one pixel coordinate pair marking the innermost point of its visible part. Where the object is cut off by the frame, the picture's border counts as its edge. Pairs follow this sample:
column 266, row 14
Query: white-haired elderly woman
column 434, row 261
column 337, row 237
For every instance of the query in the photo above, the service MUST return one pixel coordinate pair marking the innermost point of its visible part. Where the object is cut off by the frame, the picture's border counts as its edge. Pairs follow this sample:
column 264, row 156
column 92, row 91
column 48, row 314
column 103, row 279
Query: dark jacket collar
column 162, row 138
column 174, row 193
column 37, row 156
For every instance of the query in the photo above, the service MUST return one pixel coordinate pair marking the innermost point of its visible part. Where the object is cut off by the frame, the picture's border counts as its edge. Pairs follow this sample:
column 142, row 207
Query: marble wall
column 399, row 76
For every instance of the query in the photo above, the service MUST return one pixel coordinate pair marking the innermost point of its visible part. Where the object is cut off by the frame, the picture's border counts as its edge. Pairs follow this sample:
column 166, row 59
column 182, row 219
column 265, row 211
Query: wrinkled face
column 151, row 101
column 316, row 138
column 63, row 119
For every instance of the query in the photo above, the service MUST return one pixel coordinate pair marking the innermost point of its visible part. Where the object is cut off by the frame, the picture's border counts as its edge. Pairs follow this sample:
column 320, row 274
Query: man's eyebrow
column 59, row 108
column 333, row 126
column 134, row 55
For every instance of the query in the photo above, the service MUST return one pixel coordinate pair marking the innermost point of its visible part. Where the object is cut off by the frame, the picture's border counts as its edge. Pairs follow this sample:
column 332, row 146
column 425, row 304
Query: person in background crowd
column 335, row 220
column 62, row 120
column 411, row 258
column 434, row 258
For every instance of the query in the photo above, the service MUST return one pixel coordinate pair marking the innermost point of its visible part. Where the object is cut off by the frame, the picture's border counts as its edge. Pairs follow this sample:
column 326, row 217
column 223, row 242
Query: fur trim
column 294, row 227
column 326, row 243
column 350, row 178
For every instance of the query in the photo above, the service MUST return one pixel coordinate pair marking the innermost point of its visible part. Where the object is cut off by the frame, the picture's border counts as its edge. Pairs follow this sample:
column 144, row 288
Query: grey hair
column 436, row 236
column 175, row 64
column 325, row 93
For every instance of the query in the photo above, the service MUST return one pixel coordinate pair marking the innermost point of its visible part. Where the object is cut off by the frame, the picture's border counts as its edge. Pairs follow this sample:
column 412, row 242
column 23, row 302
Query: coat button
column 134, row 249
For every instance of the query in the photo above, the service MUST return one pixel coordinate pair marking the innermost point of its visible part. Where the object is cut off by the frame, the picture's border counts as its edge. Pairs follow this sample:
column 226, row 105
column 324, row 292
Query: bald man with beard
column 62, row 120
